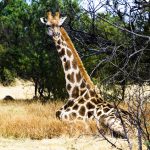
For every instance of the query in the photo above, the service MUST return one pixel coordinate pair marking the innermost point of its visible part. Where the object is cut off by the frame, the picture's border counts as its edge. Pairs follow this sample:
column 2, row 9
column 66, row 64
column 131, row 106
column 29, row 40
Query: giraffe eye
column 45, row 20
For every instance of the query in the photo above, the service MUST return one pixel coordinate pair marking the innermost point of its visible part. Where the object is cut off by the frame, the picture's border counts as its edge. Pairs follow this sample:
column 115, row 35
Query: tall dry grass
column 24, row 119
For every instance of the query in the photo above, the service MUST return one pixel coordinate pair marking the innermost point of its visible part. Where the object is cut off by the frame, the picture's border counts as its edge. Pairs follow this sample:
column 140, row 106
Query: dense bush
column 109, row 54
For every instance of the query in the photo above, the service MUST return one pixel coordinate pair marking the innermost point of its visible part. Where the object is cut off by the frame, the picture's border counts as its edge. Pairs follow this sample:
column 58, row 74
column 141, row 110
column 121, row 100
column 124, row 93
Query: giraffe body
column 84, row 101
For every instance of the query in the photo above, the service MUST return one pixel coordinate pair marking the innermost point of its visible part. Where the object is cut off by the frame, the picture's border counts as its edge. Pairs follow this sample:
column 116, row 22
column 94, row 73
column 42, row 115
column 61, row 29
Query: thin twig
column 108, row 140
column 124, row 29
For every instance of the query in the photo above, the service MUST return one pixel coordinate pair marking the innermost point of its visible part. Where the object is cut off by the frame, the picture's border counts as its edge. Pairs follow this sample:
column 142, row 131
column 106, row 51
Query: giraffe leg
column 115, row 126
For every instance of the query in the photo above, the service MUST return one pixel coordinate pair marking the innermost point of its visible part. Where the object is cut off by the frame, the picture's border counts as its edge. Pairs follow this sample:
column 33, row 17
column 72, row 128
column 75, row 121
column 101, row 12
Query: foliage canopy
column 110, row 54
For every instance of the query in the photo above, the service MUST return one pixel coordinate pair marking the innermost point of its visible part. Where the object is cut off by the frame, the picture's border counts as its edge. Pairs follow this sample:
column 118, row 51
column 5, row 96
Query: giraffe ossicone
column 84, row 100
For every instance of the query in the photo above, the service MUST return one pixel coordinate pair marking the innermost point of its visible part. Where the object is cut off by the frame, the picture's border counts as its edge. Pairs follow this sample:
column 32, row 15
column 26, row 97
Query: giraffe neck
column 77, row 58
column 76, row 80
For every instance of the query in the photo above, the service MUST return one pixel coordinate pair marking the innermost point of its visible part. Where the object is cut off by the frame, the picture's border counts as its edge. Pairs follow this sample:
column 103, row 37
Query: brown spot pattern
column 82, row 111
column 64, row 59
column 79, row 118
column 90, row 106
column 82, row 84
column 94, row 100
column 59, row 42
column 58, row 114
column 65, row 106
column 58, row 46
column 74, row 64
column 75, row 107
column 88, row 86
column 69, row 104
column 78, row 77
column 86, row 96
column 62, row 38
column 92, row 93
column 68, row 109
column 75, row 92
column 68, row 87
column 70, row 77
column 110, row 106
column 90, row 113
column 74, row 114
column 100, row 100
column 106, row 109
column 67, row 65
column 82, row 91
column 81, row 101
column 62, row 52
column 69, row 53
column 99, row 113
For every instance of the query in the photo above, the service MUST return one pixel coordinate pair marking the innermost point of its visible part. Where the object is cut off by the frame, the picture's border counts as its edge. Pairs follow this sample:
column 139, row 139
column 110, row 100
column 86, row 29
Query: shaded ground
column 62, row 143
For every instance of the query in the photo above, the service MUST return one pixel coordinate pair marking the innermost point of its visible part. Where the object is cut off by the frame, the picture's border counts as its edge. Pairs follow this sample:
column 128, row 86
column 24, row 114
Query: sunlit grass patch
column 34, row 120
column 25, row 119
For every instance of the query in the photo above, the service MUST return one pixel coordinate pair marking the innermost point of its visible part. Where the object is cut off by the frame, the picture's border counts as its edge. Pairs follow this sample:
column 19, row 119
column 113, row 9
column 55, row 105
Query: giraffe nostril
column 49, row 28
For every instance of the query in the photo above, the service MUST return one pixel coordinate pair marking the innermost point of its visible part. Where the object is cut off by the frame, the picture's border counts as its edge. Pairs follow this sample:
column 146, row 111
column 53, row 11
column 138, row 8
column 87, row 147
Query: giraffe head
column 53, row 23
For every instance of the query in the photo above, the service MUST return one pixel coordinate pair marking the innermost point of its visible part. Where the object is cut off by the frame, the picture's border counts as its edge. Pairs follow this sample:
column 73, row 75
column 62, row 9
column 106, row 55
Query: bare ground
column 19, row 90
column 63, row 143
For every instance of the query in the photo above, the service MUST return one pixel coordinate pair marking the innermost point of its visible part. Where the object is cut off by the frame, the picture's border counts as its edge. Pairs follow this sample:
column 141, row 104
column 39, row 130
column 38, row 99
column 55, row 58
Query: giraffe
column 84, row 100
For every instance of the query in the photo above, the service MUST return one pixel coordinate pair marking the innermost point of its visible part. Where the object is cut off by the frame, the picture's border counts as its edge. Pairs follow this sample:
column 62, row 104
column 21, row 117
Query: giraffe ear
column 43, row 20
column 61, row 21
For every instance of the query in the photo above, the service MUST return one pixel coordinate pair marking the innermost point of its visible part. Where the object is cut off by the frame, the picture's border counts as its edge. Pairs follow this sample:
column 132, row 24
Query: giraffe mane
column 77, row 58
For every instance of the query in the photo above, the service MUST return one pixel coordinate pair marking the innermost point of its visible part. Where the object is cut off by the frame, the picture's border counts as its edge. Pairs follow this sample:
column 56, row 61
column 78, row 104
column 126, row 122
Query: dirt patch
column 19, row 90
column 63, row 143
